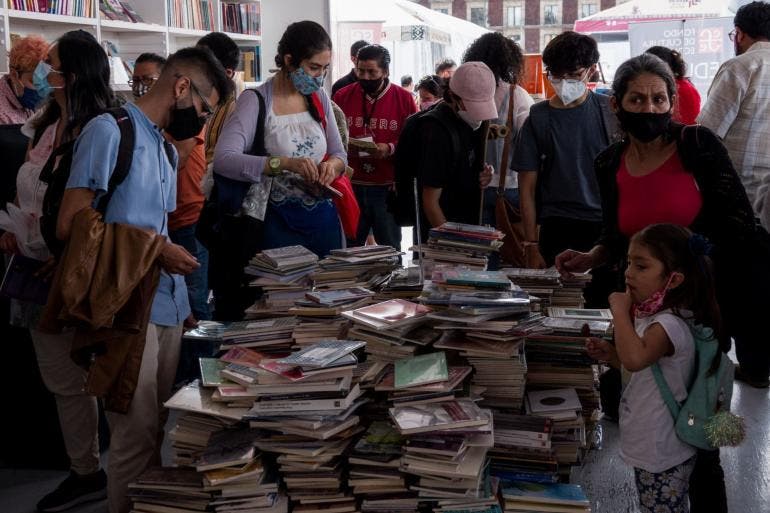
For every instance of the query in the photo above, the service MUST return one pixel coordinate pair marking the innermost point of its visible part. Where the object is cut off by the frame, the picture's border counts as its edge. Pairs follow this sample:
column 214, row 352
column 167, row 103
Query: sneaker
column 74, row 490
column 749, row 380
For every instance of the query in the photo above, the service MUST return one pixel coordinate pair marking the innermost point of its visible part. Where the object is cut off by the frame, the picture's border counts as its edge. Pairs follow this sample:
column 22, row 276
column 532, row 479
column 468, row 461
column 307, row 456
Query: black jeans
column 707, row 484
column 376, row 217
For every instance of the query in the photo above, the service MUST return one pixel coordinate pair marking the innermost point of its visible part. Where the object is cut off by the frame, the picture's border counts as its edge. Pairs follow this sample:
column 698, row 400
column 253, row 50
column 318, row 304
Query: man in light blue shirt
column 191, row 84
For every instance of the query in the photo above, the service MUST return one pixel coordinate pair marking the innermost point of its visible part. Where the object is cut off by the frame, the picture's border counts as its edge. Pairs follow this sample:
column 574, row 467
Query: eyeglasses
column 145, row 81
column 578, row 74
column 732, row 35
column 207, row 109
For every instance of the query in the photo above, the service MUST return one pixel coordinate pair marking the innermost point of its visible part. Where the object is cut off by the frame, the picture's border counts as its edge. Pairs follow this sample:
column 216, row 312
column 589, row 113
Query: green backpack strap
column 668, row 397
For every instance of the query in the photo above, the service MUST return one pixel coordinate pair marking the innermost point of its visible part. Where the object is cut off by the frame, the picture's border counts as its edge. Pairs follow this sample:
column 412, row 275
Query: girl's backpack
column 703, row 419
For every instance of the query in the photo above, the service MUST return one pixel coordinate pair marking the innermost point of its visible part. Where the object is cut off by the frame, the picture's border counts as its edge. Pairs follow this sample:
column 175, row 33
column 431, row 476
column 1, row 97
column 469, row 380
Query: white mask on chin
column 474, row 124
column 568, row 90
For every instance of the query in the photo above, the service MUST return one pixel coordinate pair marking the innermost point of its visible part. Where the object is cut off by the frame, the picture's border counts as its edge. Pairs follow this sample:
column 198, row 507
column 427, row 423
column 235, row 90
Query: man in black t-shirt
column 350, row 78
column 451, row 178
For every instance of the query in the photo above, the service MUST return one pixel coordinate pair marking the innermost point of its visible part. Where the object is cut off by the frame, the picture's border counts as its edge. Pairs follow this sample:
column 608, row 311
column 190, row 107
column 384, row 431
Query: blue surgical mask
column 305, row 83
column 29, row 98
column 40, row 79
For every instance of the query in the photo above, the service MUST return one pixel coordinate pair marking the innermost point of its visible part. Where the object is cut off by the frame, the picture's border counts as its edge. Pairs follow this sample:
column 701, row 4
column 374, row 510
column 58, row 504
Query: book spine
column 301, row 406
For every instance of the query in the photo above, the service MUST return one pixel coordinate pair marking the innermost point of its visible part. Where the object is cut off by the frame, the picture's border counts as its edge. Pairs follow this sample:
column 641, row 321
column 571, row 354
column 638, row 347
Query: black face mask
column 645, row 126
column 371, row 86
column 185, row 123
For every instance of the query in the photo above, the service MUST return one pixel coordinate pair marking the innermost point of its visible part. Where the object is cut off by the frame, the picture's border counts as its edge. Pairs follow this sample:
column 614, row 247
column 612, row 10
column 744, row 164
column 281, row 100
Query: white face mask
column 474, row 124
column 568, row 89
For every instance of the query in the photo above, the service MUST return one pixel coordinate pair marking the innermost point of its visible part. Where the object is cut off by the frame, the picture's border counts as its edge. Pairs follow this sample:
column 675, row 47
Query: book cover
column 546, row 401
column 393, row 311
column 322, row 354
column 20, row 281
column 482, row 279
column 420, row 370
column 210, row 376
column 340, row 296
column 228, row 448
column 437, row 416
column 546, row 493
column 587, row 314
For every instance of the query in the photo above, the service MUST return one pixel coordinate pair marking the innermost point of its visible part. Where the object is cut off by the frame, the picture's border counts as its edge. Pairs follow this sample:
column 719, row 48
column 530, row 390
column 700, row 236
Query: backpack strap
column 668, row 397
column 125, row 156
column 504, row 160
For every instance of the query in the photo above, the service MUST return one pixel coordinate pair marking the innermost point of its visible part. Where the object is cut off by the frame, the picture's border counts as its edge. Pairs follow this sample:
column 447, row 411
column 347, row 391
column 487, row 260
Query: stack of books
column 270, row 335
column 460, row 244
column 563, row 407
column 374, row 467
column 283, row 276
column 550, row 286
column 313, row 423
column 522, row 449
column 528, row 497
column 392, row 329
column 169, row 489
column 362, row 266
column 446, row 450
column 330, row 303
column 570, row 295
column 403, row 283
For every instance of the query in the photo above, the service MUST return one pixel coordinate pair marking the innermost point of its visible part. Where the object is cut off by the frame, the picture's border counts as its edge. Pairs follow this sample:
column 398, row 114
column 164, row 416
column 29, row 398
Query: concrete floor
column 608, row 481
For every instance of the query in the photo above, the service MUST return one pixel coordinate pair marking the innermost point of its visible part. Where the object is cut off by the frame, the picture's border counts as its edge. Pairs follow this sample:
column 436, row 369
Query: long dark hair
column 501, row 54
column 679, row 250
column 303, row 40
column 86, row 72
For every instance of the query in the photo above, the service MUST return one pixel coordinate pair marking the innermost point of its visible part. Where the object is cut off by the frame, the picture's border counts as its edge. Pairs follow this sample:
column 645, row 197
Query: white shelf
column 22, row 16
column 120, row 26
column 182, row 32
column 243, row 37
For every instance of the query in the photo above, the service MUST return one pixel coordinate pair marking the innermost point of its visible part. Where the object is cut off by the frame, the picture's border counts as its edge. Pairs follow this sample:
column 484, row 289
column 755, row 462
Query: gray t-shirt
column 568, row 188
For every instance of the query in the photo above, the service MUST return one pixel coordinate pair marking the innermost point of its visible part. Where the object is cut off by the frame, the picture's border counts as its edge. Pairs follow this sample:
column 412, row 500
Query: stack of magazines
column 283, row 276
column 460, row 244
column 362, row 266
column 522, row 449
column 270, row 335
column 532, row 497
column 563, row 407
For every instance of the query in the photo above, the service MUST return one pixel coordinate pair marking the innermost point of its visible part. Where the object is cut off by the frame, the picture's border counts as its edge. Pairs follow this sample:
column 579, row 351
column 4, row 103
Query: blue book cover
column 546, row 493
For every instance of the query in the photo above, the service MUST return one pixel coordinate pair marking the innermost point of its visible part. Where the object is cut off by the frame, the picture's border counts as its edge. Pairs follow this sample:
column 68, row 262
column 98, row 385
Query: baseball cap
column 475, row 84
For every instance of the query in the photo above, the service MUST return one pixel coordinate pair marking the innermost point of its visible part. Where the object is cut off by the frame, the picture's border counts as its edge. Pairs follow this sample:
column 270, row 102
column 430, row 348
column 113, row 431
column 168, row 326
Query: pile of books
column 160, row 489
column 362, row 266
column 330, row 303
column 562, row 406
column 550, row 286
column 460, row 244
column 374, row 474
column 270, row 335
column 313, row 422
column 446, row 450
column 392, row 329
column 403, row 283
column 528, row 497
column 283, row 276
column 522, row 449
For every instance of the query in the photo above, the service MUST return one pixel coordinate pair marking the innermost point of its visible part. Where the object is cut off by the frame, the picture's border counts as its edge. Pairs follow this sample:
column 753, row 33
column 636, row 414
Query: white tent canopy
column 416, row 36
column 616, row 19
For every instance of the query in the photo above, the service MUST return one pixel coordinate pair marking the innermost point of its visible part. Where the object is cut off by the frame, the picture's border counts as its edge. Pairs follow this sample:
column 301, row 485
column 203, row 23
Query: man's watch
column 274, row 165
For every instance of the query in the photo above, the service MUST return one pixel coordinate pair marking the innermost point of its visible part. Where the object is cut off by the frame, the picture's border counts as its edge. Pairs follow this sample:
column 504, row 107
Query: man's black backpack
column 56, row 173
column 408, row 156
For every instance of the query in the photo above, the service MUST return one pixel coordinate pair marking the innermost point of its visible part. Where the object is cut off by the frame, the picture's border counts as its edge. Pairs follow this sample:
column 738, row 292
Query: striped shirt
column 738, row 111
column 214, row 127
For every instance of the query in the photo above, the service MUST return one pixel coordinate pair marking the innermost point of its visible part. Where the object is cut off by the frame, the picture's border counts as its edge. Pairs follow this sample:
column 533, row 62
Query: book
column 21, row 282
column 302, row 405
column 322, row 354
column 545, row 493
column 340, row 296
column 420, row 370
column 437, row 417
column 228, row 448
column 364, row 144
column 193, row 398
column 289, row 256
column 477, row 279
column 393, row 311
column 210, row 376
column 547, row 401
column 587, row 314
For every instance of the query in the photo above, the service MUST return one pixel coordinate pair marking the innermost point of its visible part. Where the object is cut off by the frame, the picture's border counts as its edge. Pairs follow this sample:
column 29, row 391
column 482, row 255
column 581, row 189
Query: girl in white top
column 667, row 281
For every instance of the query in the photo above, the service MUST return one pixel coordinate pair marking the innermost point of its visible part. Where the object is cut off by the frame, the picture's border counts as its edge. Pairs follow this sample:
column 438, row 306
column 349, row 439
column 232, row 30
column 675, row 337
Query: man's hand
column 570, row 261
column 382, row 151
column 486, row 175
column 8, row 244
column 177, row 260
column 190, row 323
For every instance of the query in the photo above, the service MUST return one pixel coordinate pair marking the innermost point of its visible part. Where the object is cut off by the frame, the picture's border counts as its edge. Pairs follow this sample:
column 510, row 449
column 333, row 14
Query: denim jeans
column 197, row 281
column 375, row 216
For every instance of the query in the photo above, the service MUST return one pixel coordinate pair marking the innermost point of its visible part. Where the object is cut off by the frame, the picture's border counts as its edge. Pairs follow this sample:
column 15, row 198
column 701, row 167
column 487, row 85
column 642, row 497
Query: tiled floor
column 607, row 480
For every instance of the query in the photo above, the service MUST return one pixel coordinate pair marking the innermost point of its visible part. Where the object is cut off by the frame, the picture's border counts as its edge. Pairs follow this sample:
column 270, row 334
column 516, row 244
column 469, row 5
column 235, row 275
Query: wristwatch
column 274, row 165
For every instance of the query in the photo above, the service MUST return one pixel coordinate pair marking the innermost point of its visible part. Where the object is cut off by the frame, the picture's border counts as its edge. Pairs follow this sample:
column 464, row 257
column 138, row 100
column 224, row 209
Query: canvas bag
column 709, row 393
column 507, row 216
